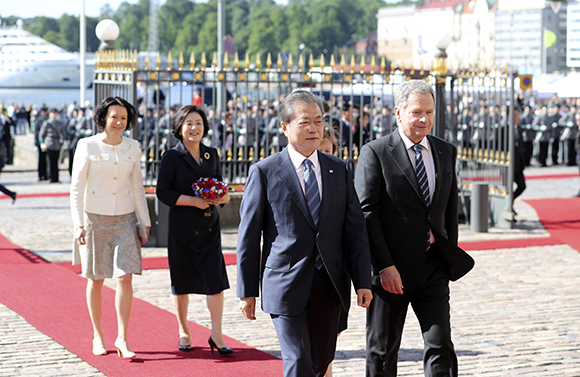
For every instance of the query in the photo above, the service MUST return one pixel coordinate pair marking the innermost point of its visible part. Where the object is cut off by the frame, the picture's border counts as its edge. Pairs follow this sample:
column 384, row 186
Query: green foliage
column 257, row 26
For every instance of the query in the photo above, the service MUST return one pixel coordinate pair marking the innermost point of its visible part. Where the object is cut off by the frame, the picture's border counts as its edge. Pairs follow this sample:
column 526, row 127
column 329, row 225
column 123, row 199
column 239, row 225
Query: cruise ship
column 28, row 61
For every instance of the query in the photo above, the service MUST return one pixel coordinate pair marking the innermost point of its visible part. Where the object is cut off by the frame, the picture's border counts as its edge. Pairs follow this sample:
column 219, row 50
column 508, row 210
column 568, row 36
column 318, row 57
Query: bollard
column 479, row 209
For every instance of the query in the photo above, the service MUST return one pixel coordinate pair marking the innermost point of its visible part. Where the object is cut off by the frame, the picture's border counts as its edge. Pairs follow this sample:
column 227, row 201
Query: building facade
column 394, row 33
column 573, row 35
column 529, row 35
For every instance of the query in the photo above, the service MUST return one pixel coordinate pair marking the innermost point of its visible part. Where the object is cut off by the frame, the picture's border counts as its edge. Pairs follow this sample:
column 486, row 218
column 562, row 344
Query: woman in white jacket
column 108, row 205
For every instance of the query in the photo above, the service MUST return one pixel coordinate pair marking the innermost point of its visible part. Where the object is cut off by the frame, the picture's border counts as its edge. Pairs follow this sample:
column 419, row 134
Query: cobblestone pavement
column 516, row 313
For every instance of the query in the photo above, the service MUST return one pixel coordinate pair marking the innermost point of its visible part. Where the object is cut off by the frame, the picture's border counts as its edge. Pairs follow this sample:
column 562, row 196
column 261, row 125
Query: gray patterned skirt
column 112, row 249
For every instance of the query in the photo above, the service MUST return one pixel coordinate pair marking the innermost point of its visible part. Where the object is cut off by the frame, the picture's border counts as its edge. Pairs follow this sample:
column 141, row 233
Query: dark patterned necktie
column 423, row 182
column 313, row 198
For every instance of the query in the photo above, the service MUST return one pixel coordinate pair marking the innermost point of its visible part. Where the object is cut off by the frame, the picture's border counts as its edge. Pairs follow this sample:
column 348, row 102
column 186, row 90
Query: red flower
column 209, row 188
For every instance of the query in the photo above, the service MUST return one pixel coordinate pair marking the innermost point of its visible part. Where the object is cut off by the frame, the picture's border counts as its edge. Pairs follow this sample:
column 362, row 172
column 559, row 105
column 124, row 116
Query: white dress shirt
column 298, row 161
column 429, row 165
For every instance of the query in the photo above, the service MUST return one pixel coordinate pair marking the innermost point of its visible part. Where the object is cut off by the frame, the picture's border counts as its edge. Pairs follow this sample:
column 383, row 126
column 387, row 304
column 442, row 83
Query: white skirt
column 113, row 248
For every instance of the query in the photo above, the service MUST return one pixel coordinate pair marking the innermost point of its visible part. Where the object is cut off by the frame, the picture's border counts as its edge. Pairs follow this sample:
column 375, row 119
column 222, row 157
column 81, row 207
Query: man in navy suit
column 309, row 247
column 407, row 187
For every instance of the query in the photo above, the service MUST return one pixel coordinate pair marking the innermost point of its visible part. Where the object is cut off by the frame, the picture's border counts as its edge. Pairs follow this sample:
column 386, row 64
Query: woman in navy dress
column 196, row 262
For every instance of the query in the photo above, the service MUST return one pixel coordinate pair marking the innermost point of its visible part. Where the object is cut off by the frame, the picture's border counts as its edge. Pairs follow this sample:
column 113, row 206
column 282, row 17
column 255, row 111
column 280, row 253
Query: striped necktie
column 423, row 182
column 313, row 198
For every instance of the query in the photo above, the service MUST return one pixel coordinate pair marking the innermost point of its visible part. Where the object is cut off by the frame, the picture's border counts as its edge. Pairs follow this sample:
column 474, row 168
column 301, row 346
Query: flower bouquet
column 209, row 188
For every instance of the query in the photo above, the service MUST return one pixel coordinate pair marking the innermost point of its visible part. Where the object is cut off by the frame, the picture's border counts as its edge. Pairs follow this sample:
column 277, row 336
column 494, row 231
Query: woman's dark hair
column 103, row 109
column 180, row 116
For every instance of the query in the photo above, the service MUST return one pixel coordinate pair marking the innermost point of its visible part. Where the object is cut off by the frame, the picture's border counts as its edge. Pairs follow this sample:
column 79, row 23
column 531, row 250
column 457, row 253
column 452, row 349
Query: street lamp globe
column 107, row 31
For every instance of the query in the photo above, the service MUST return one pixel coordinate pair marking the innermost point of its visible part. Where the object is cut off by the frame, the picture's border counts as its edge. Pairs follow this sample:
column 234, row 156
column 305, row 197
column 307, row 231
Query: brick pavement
column 514, row 314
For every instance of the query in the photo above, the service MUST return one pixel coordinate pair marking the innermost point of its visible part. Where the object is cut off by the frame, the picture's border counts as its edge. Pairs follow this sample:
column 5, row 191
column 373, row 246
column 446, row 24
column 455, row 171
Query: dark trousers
column 386, row 319
column 543, row 153
column 528, row 148
column 53, row 164
column 6, row 191
column 42, row 172
column 308, row 340
column 71, row 156
column 7, row 148
column 520, row 181
column 571, row 155
column 555, row 149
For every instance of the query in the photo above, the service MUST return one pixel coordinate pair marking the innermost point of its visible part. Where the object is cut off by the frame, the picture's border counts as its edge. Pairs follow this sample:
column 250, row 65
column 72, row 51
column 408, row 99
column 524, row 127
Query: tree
column 42, row 25
column 106, row 12
column 133, row 20
column 185, row 40
column 368, row 21
column 263, row 29
column 170, row 22
column 207, row 38
column 69, row 32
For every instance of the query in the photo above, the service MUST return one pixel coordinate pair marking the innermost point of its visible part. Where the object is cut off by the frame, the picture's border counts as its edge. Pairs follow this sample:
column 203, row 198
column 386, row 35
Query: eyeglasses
column 318, row 123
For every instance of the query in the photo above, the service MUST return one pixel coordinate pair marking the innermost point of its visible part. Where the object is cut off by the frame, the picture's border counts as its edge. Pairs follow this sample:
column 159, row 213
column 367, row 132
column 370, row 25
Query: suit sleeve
column 139, row 199
column 78, row 184
column 451, row 217
column 356, row 239
column 369, row 183
column 248, row 251
column 166, row 179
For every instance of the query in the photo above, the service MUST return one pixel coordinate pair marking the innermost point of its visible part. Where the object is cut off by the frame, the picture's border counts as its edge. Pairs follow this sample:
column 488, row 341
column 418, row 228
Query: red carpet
column 40, row 195
column 508, row 244
column 154, row 263
column 553, row 176
column 560, row 217
column 52, row 299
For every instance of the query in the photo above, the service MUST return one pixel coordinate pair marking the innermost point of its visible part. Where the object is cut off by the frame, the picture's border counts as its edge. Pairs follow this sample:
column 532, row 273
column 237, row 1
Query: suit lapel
column 438, row 161
column 189, row 158
column 288, row 176
column 401, row 158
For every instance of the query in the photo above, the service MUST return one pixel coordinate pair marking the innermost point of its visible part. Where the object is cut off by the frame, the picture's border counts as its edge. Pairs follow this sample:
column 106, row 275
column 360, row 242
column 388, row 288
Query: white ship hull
column 47, row 74
column 28, row 61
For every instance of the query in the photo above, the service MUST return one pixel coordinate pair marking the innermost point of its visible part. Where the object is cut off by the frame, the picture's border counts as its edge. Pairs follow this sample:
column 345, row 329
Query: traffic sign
column 526, row 81
column 229, row 44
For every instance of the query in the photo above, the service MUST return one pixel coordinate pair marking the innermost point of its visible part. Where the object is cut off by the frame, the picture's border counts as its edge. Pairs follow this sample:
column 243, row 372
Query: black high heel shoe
column 184, row 348
column 222, row 351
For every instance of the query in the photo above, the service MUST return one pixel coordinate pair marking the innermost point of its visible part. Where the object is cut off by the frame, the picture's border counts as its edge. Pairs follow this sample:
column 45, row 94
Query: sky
column 55, row 9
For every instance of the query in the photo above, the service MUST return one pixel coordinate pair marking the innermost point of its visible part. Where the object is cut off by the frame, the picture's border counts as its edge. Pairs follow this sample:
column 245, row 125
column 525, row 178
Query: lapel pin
column 206, row 156
column 331, row 171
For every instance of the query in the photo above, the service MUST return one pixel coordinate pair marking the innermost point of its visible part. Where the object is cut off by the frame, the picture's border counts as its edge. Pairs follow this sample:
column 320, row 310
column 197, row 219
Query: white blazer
column 106, row 180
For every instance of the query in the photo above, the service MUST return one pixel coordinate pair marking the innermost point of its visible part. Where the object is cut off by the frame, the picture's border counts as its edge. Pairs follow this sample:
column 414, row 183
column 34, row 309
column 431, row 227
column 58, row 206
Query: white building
column 475, row 32
column 573, row 35
column 394, row 32
column 521, row 27
column 488, row 32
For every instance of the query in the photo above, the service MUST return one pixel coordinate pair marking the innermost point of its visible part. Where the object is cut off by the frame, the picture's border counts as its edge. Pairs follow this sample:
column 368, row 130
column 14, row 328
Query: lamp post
column 82, row 51
column 440, row 81
column 107, row 31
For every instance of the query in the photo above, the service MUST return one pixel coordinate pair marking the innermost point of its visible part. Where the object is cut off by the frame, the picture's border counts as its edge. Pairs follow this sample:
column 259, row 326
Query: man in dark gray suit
column 310, row 246
column 407, row 187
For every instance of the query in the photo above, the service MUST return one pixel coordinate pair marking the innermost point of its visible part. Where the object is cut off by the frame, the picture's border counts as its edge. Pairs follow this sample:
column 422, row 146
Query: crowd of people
column 295, row 203
column 548, row 128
